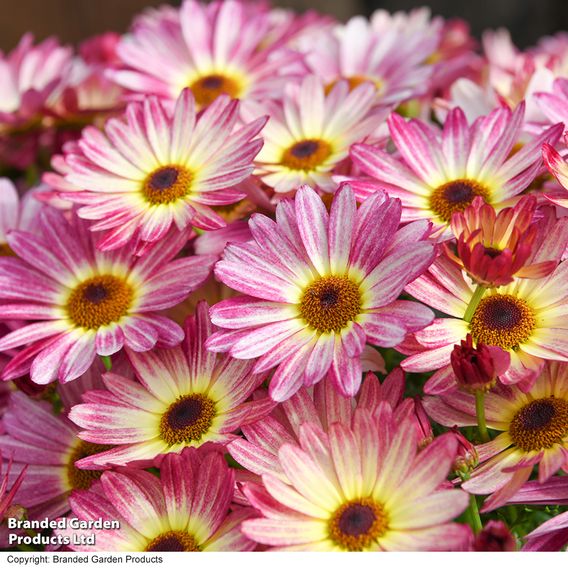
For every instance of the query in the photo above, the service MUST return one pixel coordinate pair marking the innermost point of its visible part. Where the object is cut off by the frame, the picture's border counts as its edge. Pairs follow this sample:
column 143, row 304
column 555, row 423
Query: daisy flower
column 215, row 49
column 441, row 172
column 533, row 426
column 46, row 446
column 319, row 287
column 525, row 318
column 84, row 302
column 388, row 53
column 310, row 133
column 185, row 396
column 185, row 510
column 323, row 405
column 360, row 487
column 153, row 169
column 31, row 75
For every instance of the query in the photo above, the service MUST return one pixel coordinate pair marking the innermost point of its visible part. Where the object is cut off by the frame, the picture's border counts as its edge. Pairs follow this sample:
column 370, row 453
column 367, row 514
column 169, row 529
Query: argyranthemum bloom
column 47, row 447
column 84, row 302
column 257, row 452
column 360, row 487
column 310, row 133
column 534, row 428
column 154, row 169
column 525, row 318
column 440, row 172
column 215, row 49
column 320, row 286
column 493, row 247
column 185, row 510
column 185, row 396
column 387, row 54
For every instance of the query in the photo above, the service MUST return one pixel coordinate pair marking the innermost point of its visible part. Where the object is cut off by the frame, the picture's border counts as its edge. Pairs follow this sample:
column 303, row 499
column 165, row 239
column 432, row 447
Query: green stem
column 106, row 362
column 474, row 515
column 474, row 302
column 480, row 412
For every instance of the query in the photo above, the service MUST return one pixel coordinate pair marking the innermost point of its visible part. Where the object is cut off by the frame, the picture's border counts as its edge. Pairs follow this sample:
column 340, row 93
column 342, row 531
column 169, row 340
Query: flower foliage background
column 270, row 280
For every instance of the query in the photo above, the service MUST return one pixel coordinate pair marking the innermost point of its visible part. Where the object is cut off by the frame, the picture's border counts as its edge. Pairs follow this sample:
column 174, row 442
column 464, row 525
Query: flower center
column 173, row 541
column 167, row 184
column 306, row 155
column 99, row 301
column 187, row 420
column 358, row 524
column 5, row 250
column 84, row 478
column 455, row 196
column 502, row 320
column 354, row 81
column 208, row 88
column 330, row 303
column 540, row 424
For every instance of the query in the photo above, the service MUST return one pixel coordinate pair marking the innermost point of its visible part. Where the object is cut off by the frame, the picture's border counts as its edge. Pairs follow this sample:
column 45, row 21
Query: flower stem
column 474, row 302
column 106, row 362
column 480, row 412
column 474, row 515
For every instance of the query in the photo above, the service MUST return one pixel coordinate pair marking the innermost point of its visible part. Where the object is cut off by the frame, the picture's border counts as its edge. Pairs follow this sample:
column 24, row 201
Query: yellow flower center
column 84, row 478
column 330, row 303
column 167, row 184
column 540, row 424
column 173, row 541
column 356, row 525
column 99, row 301
column 187, row 420
column 207, row 89
column 306, row 155
column 455, row 196
column 502, row 320
column 354, row 81
column 5, row 250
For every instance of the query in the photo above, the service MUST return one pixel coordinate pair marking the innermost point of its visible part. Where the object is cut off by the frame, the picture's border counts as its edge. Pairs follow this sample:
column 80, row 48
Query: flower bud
column 495, row 537
column 466, row 457
column 477, row 368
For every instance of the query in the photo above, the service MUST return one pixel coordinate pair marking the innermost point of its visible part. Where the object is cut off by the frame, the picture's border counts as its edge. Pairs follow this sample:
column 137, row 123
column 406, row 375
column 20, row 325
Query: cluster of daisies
column 270, row 281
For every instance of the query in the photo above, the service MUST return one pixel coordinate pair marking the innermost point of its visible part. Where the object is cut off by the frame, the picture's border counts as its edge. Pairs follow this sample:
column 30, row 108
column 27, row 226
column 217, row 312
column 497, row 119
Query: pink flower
column 533, row 426
column 494, row 248
column 319, row 287
column 183, row 397
column 81, row 302
column 185, row 510
column 215, row 49
column 153, row 169
column 440, row 172
column 361, row 486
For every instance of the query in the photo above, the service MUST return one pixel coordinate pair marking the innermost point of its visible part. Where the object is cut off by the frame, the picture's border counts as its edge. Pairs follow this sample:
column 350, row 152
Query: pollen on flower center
column 173, row 541
column 330, row 303
column 540, row 424
column 455, row 196
column 167, row 184
column 207, row 89
column 356, row 525
column 188, row 419
column 84, row 478
column 354, row 81
column 99, row 301
column 502, row 320
column 306, row 155
column 5, row 250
